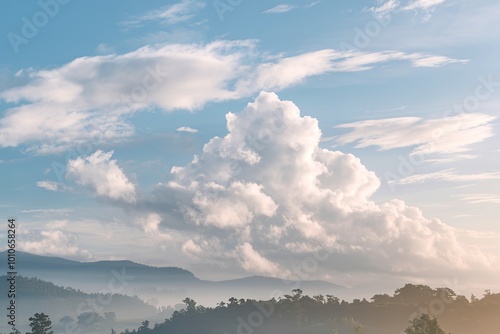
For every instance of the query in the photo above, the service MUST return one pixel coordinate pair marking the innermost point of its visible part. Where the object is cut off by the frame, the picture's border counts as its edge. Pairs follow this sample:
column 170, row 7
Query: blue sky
column 235, row 138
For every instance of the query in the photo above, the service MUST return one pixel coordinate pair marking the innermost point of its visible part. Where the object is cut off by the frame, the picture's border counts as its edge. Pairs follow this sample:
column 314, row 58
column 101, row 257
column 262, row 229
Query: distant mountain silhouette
column 159, row 285
column 30, row 263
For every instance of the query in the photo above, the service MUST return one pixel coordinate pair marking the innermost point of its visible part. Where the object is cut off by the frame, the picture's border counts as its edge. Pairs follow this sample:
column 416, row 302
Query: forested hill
column 56, row 269
column 66, row 305
column 300, row 314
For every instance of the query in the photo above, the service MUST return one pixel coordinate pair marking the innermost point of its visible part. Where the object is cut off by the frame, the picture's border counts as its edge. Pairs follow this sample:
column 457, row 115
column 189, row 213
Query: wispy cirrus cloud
column 422, row 4
column 57, row 211
column 481, row 198
column 53, row 186
column 428, row 136
column 312, row 4
column 434, row 61
column 387, row 6
column 283, row 8
column 168, row 15
column 447, row 175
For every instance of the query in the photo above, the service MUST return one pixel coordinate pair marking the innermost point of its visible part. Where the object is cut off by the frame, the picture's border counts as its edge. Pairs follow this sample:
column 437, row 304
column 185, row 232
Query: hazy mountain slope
column 160, row 286
column 33, row 295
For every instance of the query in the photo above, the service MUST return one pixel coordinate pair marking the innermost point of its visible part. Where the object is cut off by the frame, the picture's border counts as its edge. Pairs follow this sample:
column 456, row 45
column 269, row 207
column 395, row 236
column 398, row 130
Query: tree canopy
column 424, row 325
column 40, row 324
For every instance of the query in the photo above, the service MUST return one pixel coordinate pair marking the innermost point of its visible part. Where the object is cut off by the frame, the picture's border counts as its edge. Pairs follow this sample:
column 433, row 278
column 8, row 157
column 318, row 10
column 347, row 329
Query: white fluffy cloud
column 53, row 239
column 266, row 194
column 150, row 225
column 446, row 135
column 102, row 175
column 252, row 261
column 191, row 249
column 87, row 101
column 52, row 186
column 187, row 129
column 52, row 242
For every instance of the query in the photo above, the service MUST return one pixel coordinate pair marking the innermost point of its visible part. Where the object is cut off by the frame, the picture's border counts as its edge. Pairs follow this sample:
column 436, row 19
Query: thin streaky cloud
column 48, row 211
column 283, row 8
column 453, row 158
column 312, row 4
column 169, row 15
column 187, row 129
column 435, row 61
column 448, row 175
column 449, row 135
column 481, row 198
column 422, row 4
column 386, row 7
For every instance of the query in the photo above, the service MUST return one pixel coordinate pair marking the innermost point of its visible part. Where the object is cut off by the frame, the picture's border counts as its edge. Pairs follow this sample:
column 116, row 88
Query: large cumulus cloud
column 266, row 194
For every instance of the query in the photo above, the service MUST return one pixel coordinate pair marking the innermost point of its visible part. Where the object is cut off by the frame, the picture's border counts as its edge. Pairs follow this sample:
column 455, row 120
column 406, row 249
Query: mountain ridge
column 30, row 258
column 159, row 285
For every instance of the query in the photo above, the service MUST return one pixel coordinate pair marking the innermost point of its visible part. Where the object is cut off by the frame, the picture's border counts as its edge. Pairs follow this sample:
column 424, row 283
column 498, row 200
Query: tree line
column 412, row 309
